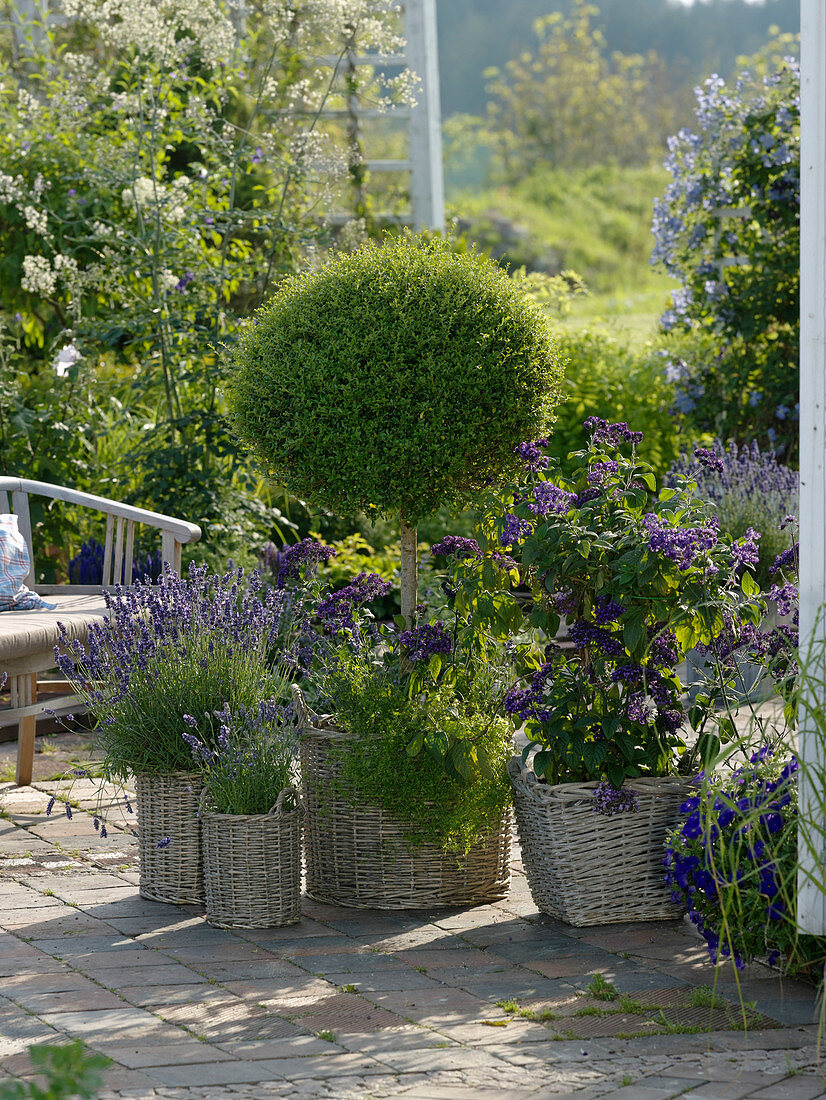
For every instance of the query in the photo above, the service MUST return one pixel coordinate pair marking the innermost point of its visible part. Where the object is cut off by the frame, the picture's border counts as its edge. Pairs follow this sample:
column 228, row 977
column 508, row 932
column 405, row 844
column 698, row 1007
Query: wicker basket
column 359, row 856
column 252, row 865
column 167, row 806
column 586, row 868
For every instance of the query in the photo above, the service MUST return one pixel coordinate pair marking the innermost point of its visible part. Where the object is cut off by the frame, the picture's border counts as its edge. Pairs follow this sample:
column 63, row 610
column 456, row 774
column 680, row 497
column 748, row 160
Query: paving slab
column 364, row 1004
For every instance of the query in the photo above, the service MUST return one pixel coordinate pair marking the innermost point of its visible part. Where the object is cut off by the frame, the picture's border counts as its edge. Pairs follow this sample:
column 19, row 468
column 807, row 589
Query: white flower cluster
column 162, row 30
column 169, row 199
column 41, row 276
column 36, row 220
column 38, row 276
column 12, row 188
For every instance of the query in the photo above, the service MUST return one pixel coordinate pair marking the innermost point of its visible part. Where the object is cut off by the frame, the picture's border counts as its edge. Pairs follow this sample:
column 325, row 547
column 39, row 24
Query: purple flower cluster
column 787, row 560
column 514, row 530
column 425, row 641
column 729, row 840
column 610, row 800
column 680, row 544
column 337, row 611
column 293, row 559
column 610, row 435
column 606, row 610
column 455, row 546
column 601, row 471
column 549, row 499
column 639, row 709
column 785, row 597
column 709, row 459
column 528, row 702
column 532, row 454
column 584, row 634
column 745, row 550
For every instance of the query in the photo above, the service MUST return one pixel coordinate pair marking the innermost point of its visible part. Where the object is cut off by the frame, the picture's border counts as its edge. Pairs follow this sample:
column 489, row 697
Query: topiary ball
column 396, row 378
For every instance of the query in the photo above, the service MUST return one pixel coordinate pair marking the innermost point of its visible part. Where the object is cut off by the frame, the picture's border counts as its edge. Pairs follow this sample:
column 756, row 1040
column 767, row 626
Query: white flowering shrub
column 161, row 167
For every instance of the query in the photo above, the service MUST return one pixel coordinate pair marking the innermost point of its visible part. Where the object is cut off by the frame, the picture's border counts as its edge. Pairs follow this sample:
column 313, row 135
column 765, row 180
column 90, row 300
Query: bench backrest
column 119, row 544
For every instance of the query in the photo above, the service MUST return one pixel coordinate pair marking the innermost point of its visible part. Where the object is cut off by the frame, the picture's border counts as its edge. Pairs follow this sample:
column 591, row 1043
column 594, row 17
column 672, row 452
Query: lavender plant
column 733, row 862
column 750, row 488
column 640, row 575
column 253, row 758
column 190, row 645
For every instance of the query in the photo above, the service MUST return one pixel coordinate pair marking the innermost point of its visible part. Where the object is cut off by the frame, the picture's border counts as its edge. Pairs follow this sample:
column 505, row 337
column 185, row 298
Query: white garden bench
column 28, row 638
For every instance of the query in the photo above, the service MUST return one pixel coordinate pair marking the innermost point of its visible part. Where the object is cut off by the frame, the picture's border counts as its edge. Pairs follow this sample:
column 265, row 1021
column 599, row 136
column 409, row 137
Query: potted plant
column 640, row 577
column 406, row 786
column 250, row 816
column 188, row 646
column 395, row 379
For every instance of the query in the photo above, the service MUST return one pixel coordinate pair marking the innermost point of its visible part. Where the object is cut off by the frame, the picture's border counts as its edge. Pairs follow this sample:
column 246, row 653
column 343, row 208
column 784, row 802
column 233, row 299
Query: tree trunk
column 409, row 573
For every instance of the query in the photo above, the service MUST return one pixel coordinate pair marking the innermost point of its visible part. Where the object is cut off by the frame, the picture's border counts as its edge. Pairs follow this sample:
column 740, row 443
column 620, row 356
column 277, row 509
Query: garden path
column 424, row 1005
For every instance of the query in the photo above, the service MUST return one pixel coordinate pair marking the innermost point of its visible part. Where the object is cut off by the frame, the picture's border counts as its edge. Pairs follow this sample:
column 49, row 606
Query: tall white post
column 811, row 908
column 425, row 130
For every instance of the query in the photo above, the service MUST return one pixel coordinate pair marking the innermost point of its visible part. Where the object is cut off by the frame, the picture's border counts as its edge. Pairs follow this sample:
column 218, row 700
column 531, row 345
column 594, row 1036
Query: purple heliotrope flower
column 549, row 499
column 532, row 454
column 709, row 459
column 293, row 558
column 680, row 544
column 425, row 641
column 514, row 530
column 612, row 435
column 610, row 800
column 456, row 546
column 745, row 550
column 601, row 471
column 336, row 611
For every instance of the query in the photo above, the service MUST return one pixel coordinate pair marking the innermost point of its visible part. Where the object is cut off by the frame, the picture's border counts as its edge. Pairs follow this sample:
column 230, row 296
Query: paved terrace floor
column 350, row 1003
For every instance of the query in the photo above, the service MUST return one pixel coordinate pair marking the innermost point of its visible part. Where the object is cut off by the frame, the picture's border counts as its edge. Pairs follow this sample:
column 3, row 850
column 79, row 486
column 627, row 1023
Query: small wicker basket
column 360, row 856
column 169, row 837
column 252, row 865
column 587, row 868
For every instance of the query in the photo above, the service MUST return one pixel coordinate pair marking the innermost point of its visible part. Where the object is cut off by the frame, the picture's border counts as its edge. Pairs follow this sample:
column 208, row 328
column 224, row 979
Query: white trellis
column 424, row 133
column 811, row 836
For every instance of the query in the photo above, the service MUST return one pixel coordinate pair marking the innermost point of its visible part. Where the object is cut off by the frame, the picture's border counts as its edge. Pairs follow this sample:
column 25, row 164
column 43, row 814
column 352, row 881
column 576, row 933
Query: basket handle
column 288, row 792
column 305, row 715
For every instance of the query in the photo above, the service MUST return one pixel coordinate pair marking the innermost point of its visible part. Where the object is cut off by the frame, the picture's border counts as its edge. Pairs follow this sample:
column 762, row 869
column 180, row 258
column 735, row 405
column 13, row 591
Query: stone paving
column 492, row 1002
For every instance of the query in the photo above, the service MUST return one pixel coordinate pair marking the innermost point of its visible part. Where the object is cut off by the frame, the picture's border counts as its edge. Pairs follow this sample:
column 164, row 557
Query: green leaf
column 634, row 632
column 749, row 585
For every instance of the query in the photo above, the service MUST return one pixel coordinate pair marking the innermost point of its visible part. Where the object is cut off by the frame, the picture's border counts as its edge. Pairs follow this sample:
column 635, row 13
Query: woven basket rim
column 575, row 791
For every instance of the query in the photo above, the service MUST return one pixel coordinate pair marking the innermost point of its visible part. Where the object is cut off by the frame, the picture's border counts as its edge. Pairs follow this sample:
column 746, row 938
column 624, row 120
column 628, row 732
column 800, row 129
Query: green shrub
column 434, row 804
column 606, row 379
column 394, row 379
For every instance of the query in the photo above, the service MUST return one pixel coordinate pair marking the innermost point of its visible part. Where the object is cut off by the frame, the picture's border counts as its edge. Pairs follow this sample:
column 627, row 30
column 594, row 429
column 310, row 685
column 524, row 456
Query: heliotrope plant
column 640, row 575
column 733, row 861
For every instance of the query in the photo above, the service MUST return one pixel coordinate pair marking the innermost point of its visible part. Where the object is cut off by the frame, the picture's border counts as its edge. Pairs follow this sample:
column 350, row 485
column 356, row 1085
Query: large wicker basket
column 586, row 868
column 169, row 837
column 252, row 865
column 360, row 856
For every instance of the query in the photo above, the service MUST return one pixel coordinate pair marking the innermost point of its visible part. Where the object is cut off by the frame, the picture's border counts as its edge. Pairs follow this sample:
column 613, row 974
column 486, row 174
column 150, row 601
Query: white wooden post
column 811, row 907
column 425, row 131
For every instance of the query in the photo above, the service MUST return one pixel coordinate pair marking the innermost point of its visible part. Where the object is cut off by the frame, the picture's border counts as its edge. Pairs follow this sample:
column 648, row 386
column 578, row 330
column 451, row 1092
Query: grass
column 515, row 1009
column 601, row 988
column 326, row 1035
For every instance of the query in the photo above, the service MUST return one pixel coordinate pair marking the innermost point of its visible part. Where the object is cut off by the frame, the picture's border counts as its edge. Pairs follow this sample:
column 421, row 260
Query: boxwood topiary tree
column 394, row 379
